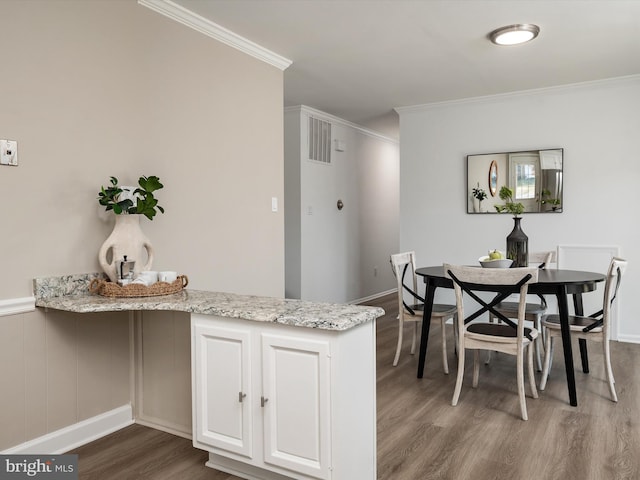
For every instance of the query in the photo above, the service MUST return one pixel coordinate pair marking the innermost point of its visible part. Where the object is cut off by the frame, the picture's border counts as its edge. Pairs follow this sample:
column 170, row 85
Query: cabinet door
column 296, row 390
column 222, row 386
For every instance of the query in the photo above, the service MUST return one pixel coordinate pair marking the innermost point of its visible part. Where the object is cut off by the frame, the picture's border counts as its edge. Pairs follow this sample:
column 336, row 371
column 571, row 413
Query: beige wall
column 58, row 369
column 99, row 88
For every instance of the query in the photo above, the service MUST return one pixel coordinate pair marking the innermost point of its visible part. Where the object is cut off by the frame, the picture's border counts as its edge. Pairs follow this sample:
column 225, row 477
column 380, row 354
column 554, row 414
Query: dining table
column 558, row 282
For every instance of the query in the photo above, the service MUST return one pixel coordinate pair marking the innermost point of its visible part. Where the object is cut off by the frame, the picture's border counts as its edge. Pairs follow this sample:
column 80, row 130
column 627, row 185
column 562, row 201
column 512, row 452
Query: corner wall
column 340, row 255
column 106, row 88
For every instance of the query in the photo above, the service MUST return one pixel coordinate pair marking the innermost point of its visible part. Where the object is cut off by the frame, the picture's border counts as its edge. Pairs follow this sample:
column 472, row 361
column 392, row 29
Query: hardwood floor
column 422, row 437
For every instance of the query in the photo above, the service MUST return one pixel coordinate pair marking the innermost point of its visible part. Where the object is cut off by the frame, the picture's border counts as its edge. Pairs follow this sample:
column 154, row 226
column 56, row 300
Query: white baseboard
column 373, row 297
column 629, row 338
column 164, row 426
column 78, row 434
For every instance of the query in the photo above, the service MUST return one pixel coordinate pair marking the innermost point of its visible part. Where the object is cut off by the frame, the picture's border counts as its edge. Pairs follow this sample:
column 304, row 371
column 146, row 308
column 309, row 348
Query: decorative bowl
column 486, row 262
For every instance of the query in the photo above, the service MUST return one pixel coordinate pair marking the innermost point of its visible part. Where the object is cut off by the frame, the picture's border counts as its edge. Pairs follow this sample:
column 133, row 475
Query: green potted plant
column 547, row 199
column 506, row 194
column 146, row 204
column 127, row 242
column 479, row 194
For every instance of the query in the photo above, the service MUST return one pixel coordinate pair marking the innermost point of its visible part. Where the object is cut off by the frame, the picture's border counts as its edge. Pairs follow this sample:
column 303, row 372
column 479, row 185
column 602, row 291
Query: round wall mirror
column 493, row 178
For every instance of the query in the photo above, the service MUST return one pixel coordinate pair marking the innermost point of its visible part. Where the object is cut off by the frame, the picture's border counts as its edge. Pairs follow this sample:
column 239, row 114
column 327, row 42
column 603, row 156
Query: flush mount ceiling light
column 514, row 34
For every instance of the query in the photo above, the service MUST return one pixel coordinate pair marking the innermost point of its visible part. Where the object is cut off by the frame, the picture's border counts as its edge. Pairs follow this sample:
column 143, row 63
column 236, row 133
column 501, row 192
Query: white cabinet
column 222, row 388
column 273, row 401
column 296, row 389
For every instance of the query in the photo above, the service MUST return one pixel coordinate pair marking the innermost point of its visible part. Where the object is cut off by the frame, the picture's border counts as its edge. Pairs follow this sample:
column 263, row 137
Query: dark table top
column 549, row 280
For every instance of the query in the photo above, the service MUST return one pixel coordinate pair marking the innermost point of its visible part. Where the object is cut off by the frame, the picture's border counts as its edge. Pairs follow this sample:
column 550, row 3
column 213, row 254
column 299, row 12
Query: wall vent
column 319, row 140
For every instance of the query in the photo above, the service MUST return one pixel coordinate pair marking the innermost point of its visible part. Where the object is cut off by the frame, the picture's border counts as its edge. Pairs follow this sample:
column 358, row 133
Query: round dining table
column 558, row 282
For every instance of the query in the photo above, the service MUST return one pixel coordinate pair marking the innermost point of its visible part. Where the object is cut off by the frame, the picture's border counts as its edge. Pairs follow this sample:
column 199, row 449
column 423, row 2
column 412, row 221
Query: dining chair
column 596, row 327
column 404, row 266
column 507, row 337
column 533, row 311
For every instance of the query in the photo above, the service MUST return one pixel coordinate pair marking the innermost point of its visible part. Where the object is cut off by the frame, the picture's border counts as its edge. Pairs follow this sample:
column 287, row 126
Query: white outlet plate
column 8, row 152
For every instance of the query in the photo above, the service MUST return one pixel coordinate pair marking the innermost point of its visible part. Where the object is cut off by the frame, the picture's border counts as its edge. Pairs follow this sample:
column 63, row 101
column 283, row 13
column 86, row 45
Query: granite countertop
column 70, row 293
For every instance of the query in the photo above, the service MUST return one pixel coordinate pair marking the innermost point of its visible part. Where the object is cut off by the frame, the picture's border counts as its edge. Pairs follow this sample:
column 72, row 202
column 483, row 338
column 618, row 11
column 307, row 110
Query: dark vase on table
column 518, row 245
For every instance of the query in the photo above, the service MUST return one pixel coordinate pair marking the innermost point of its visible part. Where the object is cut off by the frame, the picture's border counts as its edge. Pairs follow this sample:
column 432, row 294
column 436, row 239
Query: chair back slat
column 404, row 269
column 617, row 267
column 543, row 259
column 502, row 282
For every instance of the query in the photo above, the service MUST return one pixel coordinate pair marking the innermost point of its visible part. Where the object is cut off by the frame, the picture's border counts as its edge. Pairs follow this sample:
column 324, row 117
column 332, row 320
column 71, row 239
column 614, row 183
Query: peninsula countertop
column 70, row 293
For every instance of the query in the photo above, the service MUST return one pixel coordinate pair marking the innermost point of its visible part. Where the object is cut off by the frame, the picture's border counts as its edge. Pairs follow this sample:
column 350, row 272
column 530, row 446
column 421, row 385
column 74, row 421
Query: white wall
column 597, row 124
column 339, row 255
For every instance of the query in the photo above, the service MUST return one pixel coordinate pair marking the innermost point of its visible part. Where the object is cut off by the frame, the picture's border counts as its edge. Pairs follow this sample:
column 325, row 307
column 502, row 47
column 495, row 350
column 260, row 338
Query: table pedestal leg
column 426, row 323
column 579, row 309
column 563, row 310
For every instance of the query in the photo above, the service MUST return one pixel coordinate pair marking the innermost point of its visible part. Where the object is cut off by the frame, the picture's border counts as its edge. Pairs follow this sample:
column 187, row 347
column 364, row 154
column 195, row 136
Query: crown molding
column 520, row 93
column 337, row 120
column 192, row 20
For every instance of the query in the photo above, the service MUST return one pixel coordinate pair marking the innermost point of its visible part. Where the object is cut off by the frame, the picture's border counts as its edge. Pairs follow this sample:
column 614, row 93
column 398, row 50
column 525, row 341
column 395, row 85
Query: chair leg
column 487, row 359
column 584, row 356
column 520, row 381
column 445, row 362
column 456, row 391
column 532, row 376
column 476, row 368
column 608, row 370
column 400, row 329
column 548, row 350
column 538, row 345
column 455, row 334
column 543, row 334
column 413, row 340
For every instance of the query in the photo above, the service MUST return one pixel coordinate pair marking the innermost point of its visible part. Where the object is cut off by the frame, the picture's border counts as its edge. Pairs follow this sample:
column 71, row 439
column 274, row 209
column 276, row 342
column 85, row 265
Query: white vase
column 127, row 239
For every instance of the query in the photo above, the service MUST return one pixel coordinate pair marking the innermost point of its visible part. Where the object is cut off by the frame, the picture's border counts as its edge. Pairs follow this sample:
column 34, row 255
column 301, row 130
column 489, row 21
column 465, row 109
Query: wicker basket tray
column 111, row 289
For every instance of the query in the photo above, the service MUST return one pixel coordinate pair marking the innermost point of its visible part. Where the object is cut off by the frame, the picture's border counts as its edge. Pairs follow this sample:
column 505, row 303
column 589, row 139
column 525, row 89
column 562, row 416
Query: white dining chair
column 507, row 337
column 596, row 327
column 533, row 311
column 404, row 267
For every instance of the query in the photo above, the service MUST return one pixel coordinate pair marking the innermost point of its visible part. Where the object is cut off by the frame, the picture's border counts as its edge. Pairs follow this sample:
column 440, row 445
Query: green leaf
column 145, row 203
column 150, row 184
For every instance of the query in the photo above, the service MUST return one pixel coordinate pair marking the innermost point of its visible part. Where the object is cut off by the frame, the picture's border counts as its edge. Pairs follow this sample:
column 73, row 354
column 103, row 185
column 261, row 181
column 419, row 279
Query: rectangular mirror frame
column 535, row 177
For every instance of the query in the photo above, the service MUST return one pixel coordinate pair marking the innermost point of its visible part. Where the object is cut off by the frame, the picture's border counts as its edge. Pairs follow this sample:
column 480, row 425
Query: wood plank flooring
column 422, row 437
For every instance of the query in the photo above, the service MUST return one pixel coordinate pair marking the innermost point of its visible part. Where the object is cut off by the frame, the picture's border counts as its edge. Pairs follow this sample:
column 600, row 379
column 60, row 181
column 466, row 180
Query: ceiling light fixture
column 514, row 34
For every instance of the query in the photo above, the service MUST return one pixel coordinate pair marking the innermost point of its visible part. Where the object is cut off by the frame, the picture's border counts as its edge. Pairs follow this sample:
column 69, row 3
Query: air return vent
column 319, row 140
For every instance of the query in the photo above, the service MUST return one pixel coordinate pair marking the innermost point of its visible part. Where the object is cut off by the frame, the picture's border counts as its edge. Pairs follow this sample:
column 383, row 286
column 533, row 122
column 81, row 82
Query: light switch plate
column 9, row 152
